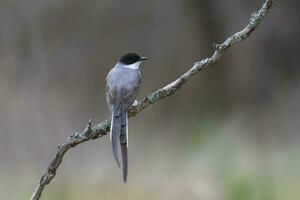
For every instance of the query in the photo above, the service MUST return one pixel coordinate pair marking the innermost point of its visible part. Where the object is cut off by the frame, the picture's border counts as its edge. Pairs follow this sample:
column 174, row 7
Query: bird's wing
column 128, row 96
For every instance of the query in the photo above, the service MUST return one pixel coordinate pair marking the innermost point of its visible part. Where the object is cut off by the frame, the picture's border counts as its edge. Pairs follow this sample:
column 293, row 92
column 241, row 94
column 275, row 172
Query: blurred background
column 231, row 133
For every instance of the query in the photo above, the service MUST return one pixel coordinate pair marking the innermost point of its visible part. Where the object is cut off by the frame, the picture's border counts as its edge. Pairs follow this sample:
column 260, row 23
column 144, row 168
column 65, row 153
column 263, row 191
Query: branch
column 103, row 128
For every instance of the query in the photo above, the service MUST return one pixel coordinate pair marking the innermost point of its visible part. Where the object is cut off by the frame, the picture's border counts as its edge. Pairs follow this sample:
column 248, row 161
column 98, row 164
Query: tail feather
column 127, row 140
column 115, row 131
column 115, row 134
column 125, row 161
column 119, row 135
column 124, row 148
column 111, row 126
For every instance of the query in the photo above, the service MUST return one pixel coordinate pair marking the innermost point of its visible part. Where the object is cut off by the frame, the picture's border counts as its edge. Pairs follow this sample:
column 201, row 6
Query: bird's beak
column 144, row 58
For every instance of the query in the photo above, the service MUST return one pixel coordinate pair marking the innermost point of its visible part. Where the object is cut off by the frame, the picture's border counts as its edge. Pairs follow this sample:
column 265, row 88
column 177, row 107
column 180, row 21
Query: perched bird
column 122, row 85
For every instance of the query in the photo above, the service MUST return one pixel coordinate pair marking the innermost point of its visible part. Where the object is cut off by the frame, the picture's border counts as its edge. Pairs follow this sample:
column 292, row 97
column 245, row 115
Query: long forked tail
column 119, row 135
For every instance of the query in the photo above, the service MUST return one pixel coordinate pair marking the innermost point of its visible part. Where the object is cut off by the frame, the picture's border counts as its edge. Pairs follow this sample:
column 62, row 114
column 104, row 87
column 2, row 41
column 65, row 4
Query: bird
column 122, row 85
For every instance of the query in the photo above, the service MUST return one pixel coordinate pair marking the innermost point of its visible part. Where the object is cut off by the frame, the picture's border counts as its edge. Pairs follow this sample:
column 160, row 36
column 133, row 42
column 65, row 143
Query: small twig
column 102, row 128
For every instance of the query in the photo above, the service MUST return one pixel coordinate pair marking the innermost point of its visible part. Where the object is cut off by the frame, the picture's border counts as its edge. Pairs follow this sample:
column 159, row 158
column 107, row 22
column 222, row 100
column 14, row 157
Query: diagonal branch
column 102, row 128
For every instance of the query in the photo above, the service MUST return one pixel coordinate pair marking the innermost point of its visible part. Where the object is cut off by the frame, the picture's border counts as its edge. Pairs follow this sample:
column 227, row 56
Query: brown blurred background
column 231, row 133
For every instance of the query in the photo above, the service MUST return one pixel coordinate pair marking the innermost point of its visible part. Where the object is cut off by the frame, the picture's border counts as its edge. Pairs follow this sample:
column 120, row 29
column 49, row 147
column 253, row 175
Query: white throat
column 134, row 65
